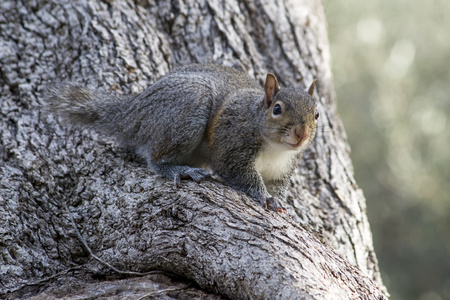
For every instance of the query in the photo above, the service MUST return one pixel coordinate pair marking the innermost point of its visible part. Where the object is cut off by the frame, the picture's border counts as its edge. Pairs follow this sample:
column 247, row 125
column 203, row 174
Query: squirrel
column 204, row 115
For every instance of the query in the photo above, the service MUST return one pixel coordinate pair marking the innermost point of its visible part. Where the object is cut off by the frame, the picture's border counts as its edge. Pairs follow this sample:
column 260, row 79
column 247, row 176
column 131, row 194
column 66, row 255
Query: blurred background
column 391, row 63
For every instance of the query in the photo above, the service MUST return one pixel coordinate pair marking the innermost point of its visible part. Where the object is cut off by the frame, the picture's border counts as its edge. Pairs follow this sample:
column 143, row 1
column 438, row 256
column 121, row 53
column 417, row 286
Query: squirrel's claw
column 177, row 180
column 273, row 204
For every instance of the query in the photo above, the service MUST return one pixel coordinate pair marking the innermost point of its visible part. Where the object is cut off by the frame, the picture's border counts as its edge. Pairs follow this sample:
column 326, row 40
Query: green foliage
column 391, row 70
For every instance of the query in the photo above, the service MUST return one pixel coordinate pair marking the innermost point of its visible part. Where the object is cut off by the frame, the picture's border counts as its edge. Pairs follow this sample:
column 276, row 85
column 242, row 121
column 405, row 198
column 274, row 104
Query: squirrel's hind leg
column 181, row 172
column 175, row 172
column 176, row 163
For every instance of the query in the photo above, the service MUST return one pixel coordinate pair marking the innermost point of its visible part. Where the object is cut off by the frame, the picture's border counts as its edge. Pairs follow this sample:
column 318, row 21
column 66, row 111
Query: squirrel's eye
column 316, row 116
column 277, row 110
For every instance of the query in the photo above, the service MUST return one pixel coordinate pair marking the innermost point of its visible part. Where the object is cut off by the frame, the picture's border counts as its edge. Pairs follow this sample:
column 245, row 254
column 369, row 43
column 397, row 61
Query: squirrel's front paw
column 272, row 203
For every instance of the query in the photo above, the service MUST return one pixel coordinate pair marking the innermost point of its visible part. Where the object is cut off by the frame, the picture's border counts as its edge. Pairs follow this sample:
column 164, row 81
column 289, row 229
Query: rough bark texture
column 206, row 233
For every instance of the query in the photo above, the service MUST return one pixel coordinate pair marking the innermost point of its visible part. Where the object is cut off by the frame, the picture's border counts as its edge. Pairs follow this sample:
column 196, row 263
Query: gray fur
column 195, row 116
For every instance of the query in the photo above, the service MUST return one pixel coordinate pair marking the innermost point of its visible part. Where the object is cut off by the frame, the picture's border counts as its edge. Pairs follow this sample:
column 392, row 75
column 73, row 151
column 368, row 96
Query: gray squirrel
column 205, row 115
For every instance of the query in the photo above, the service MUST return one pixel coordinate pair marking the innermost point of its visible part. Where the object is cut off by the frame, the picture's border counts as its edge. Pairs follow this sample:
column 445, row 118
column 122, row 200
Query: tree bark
column 60, row 186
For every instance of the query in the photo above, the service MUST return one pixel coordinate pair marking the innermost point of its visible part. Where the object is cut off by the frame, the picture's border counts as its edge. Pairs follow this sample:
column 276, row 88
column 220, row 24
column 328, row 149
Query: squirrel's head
column 291, row 115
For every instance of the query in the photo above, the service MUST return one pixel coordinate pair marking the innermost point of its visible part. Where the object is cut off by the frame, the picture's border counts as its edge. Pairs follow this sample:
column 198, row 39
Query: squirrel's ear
column 271, row 88
column 311, row 88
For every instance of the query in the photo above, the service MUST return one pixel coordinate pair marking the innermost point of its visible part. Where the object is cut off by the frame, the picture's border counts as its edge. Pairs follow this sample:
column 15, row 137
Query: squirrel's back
column 187, row 96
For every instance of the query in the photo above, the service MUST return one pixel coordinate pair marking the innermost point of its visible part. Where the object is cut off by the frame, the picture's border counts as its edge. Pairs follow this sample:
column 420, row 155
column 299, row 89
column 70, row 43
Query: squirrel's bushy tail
column 76, row 104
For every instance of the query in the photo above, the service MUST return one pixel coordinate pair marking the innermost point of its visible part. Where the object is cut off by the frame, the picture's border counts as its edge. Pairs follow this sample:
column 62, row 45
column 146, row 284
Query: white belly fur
column 274, row 161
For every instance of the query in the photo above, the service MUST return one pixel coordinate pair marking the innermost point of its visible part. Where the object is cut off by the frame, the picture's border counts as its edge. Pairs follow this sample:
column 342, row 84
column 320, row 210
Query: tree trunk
column 60, row 187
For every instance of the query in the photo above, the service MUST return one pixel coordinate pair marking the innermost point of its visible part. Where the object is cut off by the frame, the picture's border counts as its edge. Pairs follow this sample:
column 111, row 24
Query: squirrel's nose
column 300, row 133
